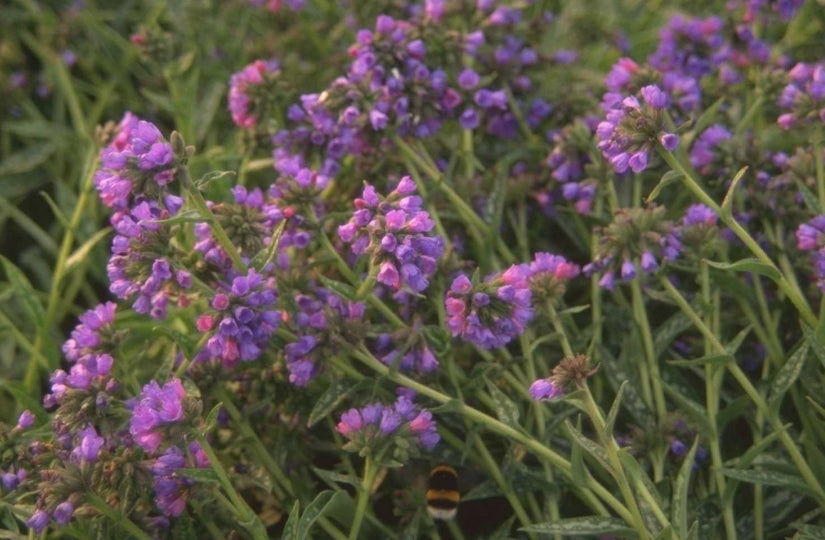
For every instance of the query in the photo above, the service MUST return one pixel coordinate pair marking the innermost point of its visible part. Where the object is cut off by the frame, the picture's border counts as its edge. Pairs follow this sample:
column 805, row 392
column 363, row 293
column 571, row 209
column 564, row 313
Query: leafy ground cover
column 265, row 264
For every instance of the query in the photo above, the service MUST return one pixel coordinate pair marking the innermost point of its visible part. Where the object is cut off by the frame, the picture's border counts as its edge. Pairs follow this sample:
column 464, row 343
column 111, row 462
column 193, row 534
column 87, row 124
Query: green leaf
column 593, row 525
column 769, row 478
column 205, row 112
column 669, row 330
column 811, row 200
column 737, row 340
column 506, row 410
column 707, row 117
column 29, row 158
column 727, row 202
column 26, row 400
column 578, row 470
column 329, row 400
column 810, row 532
column 82, row 252
column 631, row 398
column 679, row 517
column 668, row 178
column 590, row 446
column 787, row 374
column 485, row 490
column 715, row 360
column 212, row 417
column 25, row 293
column 697, row 412
column 291, row 526
column 333, row 478
column 320, row 506
column 817, row 344
column 665, row 534
column 749, row 265
column 206, row 476
column 212, row 176
column 503, row 531
column 610, row 421
column 339, row 288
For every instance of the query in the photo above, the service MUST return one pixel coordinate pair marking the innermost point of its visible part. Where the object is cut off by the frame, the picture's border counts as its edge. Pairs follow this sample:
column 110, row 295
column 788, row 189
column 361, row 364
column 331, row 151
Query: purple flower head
column 251, row 92
column 63, row 513
column 493, row 312
column 157, row 408
column 242, row 320
column 395, row 233
column 545, row 389
column 804, row 97
column 38, row 521
column 89, row 445
column 26, row 420
column 637, row 239
column 701, row 153
column 632, row 129
column 322, row 319
column 377, row 426
column 135, row 271
column 138, row 163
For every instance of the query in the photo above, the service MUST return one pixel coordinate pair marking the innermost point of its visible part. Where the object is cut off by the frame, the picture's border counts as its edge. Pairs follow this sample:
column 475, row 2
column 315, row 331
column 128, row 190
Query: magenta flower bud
column 38, row 521
column 63, row 513
column 670, row 141
column 26, row 420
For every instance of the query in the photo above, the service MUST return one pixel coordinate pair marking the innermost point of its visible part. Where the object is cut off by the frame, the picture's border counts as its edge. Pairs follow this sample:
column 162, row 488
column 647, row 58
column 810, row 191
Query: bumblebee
column 442, row 492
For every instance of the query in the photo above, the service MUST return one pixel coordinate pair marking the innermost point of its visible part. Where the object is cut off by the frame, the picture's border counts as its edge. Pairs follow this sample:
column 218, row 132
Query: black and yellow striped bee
column 442, row 492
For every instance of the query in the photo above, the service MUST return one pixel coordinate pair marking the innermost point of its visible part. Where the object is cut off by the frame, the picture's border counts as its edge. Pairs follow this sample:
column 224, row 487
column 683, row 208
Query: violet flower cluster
column 810, row 236
column 632, row 129
column 804, row 96
column 638, row 239
column 392, row 232
column 138, row 163
column 377, row 426
column 242, row 319
column 492, row 312
column 250, row 92
column 322, row 321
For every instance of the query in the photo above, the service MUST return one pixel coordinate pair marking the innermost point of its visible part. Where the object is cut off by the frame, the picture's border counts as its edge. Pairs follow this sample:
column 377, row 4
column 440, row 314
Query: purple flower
column 38, row 521
column 493, row 312
column 545, row 389
column 393, row 232
column 321, row 319
column 631, row 129
column 249, row 90
column 377, row 425
column 242, row 319
column 63, row 513
column 89, row 445
column 138, row 163
column 26, row 420
column 135, row 270
column 157, row 407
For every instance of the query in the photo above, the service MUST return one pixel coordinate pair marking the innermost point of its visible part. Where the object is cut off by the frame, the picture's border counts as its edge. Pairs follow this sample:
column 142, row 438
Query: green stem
column 118, row 517
column 566, row 348
column 799, row 460
column 713, row 385
column 242, row 512
column 370, row 470
column 640, row 314
column 618, row 472
column 281, row 483
column 586, row 493
column 196, row 198
column 503, row 484
column 785, row 286
column 30, row 380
